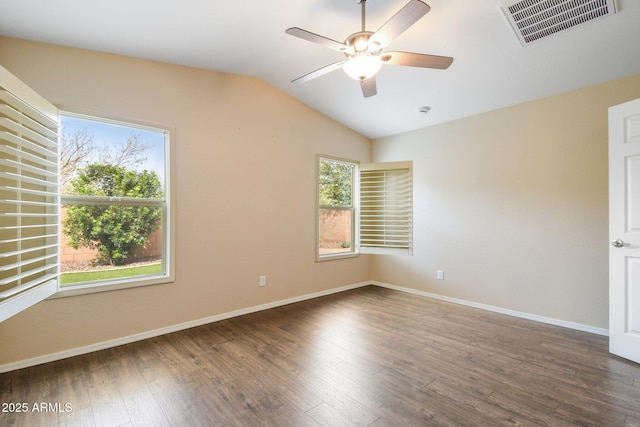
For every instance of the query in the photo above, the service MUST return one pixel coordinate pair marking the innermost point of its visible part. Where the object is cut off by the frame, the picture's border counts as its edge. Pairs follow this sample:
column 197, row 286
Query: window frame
column 354, row 250
column 168, row 214
column 384, row 243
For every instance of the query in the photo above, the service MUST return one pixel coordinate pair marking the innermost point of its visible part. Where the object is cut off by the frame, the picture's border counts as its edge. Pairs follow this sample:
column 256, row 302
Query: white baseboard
column 199, row 322
column 167, row 330
column 528, row 316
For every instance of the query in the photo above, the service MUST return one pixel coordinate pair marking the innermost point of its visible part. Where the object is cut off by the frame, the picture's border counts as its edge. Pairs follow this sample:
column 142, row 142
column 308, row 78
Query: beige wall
column 513, row 206
column 245, row 153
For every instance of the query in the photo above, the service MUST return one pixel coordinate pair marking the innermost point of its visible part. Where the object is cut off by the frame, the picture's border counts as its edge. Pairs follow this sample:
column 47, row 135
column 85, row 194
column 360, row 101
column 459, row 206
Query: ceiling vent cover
column 536, row 19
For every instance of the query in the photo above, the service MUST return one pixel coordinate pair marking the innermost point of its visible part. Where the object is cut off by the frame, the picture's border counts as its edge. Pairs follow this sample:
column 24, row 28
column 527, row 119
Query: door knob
column 617, row 243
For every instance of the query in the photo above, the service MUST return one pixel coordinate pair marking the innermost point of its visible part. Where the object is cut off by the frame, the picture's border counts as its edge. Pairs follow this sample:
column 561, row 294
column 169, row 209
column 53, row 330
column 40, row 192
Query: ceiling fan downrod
column 360, row 40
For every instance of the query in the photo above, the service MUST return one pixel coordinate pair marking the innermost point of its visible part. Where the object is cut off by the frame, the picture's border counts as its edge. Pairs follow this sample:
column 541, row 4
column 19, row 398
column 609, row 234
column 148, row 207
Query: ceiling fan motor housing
column 360, row 43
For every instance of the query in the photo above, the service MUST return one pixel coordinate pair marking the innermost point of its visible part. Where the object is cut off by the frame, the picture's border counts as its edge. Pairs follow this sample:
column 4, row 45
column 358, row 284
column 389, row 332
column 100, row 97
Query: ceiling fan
column 363, row 49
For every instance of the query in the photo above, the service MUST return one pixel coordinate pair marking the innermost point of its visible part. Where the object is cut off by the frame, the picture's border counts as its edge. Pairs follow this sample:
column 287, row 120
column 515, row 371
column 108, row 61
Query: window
column 114, row 197
column 364, row 208
column 336, row 212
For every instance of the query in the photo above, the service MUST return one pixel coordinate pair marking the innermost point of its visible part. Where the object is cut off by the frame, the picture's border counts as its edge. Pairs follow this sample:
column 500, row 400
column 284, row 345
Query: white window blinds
column 386, row 208
column 28, row 196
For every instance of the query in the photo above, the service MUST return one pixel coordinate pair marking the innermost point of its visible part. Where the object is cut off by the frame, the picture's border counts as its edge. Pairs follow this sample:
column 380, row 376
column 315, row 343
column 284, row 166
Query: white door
column 624, row 230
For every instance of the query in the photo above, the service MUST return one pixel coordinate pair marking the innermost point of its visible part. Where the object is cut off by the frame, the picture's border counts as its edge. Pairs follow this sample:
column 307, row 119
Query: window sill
column 341, row 255
column 112, row 285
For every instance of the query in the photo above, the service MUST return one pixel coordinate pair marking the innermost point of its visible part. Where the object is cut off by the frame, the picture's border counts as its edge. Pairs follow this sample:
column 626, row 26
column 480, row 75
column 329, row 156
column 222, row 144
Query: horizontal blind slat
column 27, row 121
column 26, row 108
column 30, row 272
column 30, row 215
column 29, row 145
column 14, row 152
column 26, row 239
column 18, row 190
column 29, row 203
column 28, row 285
column 26, row 227
column 24, row 131
column 30, row 180
column 26, row 251
column 28, row 168
column 29, row 261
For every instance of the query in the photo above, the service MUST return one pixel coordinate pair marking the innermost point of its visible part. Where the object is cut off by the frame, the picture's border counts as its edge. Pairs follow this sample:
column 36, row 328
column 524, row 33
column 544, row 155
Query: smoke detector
column 533, row 20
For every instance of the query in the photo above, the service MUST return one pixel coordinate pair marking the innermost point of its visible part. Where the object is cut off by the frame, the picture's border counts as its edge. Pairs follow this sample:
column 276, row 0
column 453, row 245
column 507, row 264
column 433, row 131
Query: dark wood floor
column 366, row 357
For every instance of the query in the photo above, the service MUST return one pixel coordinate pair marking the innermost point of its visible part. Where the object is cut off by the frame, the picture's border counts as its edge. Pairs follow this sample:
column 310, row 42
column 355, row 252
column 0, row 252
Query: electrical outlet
column 440, row 275
column 263, row 280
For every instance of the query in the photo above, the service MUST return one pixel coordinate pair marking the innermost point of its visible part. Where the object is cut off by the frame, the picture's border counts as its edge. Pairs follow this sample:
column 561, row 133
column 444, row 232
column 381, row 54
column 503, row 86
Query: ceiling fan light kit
column 363, row 49
column 362, row 66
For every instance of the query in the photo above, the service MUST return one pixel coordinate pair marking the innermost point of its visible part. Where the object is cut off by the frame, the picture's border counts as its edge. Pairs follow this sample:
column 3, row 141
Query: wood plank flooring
column 366, row 357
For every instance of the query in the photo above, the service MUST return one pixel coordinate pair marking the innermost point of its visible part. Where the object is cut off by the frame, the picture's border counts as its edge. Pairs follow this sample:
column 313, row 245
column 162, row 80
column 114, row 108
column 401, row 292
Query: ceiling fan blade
column 368, row 86
column 416, row 60
column 319, row 72
column 400, row 22
column 318, row 39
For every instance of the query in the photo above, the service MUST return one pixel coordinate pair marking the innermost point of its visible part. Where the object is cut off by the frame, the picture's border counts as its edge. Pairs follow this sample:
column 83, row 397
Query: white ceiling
column 491, row 69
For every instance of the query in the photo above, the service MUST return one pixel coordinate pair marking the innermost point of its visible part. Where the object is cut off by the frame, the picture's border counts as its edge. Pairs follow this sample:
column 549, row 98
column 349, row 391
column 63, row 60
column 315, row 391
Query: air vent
column 536, row 19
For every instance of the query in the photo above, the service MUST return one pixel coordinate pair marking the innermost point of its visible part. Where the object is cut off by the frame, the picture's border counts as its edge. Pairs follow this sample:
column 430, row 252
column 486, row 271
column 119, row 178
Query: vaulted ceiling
column 491, row 68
